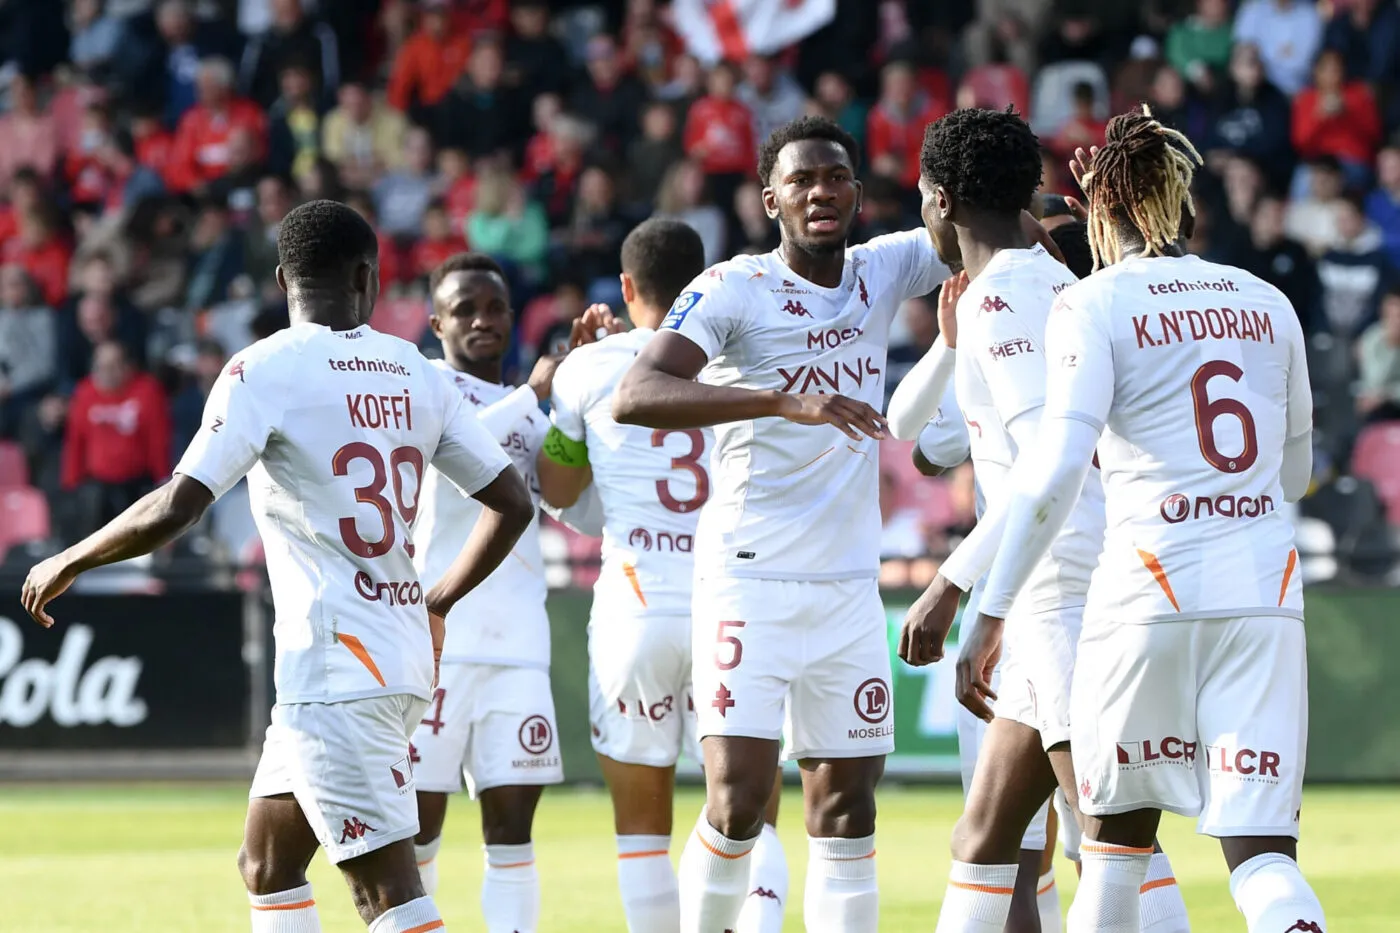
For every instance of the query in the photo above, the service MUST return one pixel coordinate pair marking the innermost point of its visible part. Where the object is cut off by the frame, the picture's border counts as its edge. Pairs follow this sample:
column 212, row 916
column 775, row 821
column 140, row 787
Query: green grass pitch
column 161, row 857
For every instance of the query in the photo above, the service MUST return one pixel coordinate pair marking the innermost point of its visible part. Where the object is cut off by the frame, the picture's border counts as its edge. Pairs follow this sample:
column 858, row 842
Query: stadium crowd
column 149, row 149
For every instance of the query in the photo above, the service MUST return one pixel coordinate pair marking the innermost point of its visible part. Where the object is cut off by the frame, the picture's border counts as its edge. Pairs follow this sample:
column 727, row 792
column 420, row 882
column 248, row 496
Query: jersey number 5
column 690, row 462
column 1208, row 412
column 373, row 494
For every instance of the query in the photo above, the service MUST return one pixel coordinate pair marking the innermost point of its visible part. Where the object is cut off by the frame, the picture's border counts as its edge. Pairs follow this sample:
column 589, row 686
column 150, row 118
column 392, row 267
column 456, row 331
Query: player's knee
column 508, row 815
column 982, row 838
column 848, row 812
column 736, row 809
column 262, row 875
column 383, row 894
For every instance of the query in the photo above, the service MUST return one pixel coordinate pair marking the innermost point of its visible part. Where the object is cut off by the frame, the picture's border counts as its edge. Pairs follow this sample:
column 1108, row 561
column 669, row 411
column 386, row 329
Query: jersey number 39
column 373, row 494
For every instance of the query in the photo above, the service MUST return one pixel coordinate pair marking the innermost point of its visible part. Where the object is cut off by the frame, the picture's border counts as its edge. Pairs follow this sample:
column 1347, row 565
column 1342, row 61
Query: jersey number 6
column 373, row 494
column 690, row 462
column 1208, row 412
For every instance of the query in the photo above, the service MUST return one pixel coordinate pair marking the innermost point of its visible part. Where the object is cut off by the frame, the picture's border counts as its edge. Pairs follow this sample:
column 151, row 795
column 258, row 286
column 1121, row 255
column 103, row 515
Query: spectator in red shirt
column 200, row 154
column 153, row 140
column 719, row 129
column 1083, row 129
column 438, row 243
column 895, row 128
column 44, row 252
column 391, row 264
column 117, row 443
column 457, row 186
column 1337, row 117
column 539, row 151
column 429, row 62
column 28, row 136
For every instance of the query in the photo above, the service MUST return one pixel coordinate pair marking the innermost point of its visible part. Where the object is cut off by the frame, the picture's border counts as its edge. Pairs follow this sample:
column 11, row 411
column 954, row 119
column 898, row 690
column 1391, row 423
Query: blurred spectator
column 216, row 256
column 1312, row 218
column 916, row 330
column 439, row 241
column 652, row 154
column 1087, row 30
column 276, row 197
column 682, row 197
column 391, row 264
column 609, row 99
column 28, row 136
column 237, row 187
column 507, row 225
column 1005, row 30
column 1383, row 204
column 427, row 65
column 648, row 43
column 401, row 196
column 479, row 115
column 757, row 232
column 1175, row 104
column 1287, row 33
column 1378, row 363
column 294, row 125
column 97, row 36
column 187, row 407
column 152, row 140
column 1200, row 44
column 539, row 150
column 719, row 128
column 901, row 527
column 200, row 152
column 594, row 235
column 362, row 136
column 322, row 181
column 1084, row 128
column 1252, row 117
column 536, row 63
column 293, row 37
column 880, row 212
column 554, row 316
column 98, row 315
column 836, row 100
column 686, row 86
column 184, row 44
column 43, row 251
column 895, row 129
column 117, row 444
column 153, row 238
column 25, row 194
column 1280, row 261
column 456, row 186
column 26, row 347
column 555, row 188
column 1367, row 35
column 1337, row 117
column 81, row 168
column 772, row 96
column 1354, row 272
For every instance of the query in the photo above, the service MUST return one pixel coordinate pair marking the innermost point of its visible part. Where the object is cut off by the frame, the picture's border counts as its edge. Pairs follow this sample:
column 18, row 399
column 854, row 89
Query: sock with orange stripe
column 1272, row 893
column 768, row 886
column 417, row 916
column 291, row 911
column 1109, row 889
column 426, row 856
column 841, row 895
column 510, row 890
column 714, row 878
column 978, row 898
column 650, row 897
column 1047, row 898
column 1162, row 908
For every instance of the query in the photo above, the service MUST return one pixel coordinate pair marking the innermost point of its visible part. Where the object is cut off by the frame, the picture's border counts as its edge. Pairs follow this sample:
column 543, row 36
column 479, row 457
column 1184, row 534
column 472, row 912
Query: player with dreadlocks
column 1190, row 380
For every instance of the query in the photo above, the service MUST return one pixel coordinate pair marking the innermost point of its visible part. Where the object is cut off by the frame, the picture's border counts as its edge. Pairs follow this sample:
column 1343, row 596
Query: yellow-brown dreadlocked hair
column 1142, row 173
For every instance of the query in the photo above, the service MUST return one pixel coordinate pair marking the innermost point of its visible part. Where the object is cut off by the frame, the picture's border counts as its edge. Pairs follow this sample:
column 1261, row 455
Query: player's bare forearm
column 152, row 522
column 507, row 511
column 560, row 484
column 656, row 399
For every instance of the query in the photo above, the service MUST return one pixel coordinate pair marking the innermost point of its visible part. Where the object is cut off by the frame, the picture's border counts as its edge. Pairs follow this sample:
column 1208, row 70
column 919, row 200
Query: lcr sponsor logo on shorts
column 1244, row 764
column 537, row 738
column 393, row 592
column 872, row 700
column 639, row 709
column 661, row 541
column 1178, row 508
column 1170, row 750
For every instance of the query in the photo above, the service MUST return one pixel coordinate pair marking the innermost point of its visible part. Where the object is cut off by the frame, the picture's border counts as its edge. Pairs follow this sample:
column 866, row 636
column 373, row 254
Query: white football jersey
column 1001, row 373
column 791, row 501
column 651, row 482
column 502, row 621
column 335, row 430
column 1197, row 372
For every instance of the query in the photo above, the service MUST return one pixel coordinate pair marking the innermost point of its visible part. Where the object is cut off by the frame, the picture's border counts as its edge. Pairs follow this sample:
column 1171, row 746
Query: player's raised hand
column 853, row 418
column 927, row 623
column 977, row 659
column 1035, row 232
column 542, row 376
column 1079, row 165
column 596, row 319
column 46, row 581
column 437, row 625
column 948, row 295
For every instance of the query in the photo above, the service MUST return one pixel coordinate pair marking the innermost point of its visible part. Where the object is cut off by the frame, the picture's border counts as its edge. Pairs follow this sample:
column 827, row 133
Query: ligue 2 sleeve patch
column 683, row 305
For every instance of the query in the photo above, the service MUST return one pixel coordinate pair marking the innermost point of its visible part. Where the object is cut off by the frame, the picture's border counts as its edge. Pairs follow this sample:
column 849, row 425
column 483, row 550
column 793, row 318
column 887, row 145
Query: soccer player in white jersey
column 1190, row 380
column 334, row 425
column 652, row 485
column 980, row 171
column 790, row 349
column 491, row 719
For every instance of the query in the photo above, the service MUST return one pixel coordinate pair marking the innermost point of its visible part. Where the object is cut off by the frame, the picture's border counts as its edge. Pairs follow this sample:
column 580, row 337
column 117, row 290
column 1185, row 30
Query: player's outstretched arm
column 562, row 469
column 153, row 521
column 507, row 511
column 916, row 399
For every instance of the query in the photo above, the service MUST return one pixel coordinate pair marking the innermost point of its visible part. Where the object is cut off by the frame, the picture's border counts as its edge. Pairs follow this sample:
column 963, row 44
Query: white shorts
column 490, row 725
column 819, row 647
column 1203, row 718
column 348, row 766
column 1037, row 669
column 971, row 732
column 639, row 699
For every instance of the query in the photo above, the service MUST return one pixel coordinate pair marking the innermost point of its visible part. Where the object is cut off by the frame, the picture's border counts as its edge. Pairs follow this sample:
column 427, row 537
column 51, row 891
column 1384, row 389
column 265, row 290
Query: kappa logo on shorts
column 1305, row 926
column 766, row 893
column 872, row 700
column 535, row 735
column 355, row 829
column 1085, row 790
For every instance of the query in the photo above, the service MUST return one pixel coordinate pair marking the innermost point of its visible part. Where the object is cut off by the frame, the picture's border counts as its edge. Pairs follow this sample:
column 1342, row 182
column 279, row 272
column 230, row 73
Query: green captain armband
column 564, row 450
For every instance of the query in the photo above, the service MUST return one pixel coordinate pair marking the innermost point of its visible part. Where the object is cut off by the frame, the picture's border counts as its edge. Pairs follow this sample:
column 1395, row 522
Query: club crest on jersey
column 680, row 309
column 994, row 303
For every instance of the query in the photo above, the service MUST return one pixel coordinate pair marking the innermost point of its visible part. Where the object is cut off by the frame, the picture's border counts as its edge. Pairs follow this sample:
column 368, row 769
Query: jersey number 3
column 373, row 494
column 1208, row 413
column 690, row 462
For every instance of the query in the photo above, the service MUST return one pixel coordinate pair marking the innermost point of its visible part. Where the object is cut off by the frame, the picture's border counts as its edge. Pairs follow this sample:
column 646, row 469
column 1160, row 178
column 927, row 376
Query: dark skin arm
column 660, row 391
column 152, row 522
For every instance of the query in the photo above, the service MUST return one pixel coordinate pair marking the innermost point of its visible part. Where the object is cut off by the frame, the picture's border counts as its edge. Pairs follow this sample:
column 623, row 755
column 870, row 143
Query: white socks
column 1107, row 899
column 426, row 857
column 714, row 879
column 841, row 895
column 1272, row 894
column 768, row 886
column 417, row 916
column 510, row 891
column 1162, row 909
column 978, row 898
column 292, row 911
column 650, row 896
column 1047, row 898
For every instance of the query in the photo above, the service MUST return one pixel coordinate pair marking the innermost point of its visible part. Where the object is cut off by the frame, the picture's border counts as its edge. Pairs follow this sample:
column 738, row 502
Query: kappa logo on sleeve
column 683, row 306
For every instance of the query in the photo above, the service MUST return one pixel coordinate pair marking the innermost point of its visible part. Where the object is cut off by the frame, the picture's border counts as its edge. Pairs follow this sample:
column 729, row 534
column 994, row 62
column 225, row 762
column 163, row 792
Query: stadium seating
column 402, row 317
column 1377, row 458
column 14, row 471
column 24, row 516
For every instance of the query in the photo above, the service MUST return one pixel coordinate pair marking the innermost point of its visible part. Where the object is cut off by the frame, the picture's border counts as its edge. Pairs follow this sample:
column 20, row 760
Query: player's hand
column 977, row 659
column 46, row 581
column 1077, row 210
column 1035, row 232
column 927, row 623
column 948, row 295
column 1079, row 165
column 596, row 319
column 437, row 626
column 850, row 417
column 542, row 376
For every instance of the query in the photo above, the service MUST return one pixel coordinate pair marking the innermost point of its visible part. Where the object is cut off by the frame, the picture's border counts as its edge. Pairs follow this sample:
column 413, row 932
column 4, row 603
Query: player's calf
column 510, row 888
column 839, row 796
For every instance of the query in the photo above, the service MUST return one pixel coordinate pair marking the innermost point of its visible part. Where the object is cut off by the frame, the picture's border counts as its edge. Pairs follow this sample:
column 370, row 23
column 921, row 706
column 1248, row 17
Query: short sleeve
column 1010, row 356
column 237, row 423
column 707, row 312
column 567, row 401
column 913, row 262
column 1080, row 375
column 467, row 454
